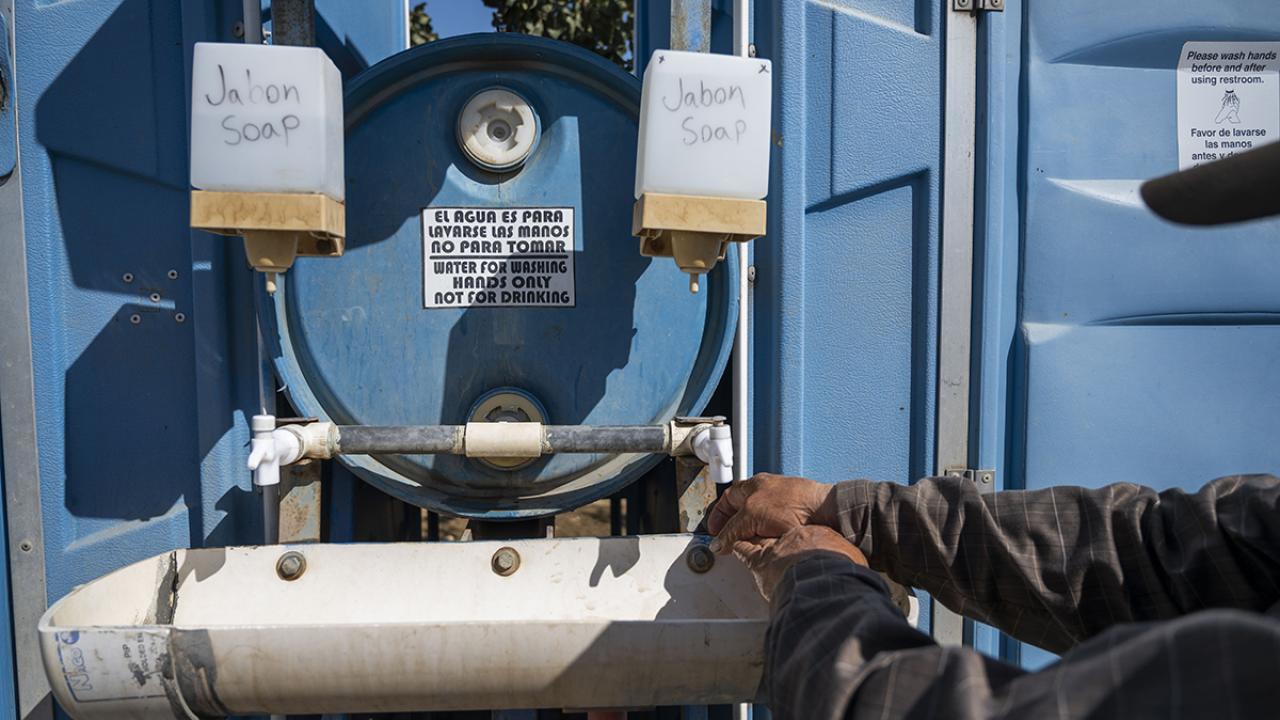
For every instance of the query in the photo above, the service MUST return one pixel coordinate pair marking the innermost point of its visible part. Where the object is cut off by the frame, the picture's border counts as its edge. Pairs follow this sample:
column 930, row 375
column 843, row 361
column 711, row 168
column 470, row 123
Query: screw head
column 751, row 274
column 173, row 274
column 700, row 558
column 26, row 546
column 179, row 317
column 291, row 565
column 135, row 318
column 237, row 30
column 505, row 561
column 155, row 297
column 127, row 277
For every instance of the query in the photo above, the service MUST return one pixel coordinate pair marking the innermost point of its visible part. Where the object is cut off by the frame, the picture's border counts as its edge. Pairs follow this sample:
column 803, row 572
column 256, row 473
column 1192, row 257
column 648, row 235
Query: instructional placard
column 1228, row 99
column 497, row 257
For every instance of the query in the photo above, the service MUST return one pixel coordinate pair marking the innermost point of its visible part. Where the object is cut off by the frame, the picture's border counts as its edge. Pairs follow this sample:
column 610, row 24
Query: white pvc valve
column 498, row 129
column 714, row 446
column 270, row 448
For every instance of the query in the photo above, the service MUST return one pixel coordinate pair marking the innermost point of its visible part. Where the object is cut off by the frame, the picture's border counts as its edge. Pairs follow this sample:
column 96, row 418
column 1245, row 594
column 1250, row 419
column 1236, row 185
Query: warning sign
column 500, row 257
column 1228, row 99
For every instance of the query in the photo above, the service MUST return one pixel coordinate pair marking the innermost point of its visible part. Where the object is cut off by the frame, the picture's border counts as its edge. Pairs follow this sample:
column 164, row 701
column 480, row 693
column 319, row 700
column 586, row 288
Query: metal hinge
column 977, row 5
column 984, row 479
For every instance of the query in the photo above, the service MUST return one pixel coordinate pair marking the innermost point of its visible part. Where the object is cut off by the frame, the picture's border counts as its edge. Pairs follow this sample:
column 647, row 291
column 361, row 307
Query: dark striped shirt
column 1164, row 605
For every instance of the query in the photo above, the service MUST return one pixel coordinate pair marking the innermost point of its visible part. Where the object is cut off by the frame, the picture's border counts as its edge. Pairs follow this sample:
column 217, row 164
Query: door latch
column 977, row 5
column 984, row 479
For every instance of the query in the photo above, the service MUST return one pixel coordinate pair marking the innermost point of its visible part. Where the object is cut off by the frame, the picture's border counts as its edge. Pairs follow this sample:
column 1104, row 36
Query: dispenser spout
column 714, row 446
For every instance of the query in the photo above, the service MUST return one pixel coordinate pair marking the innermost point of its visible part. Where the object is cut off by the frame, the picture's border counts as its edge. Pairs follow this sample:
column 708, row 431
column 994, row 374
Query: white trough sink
column 582, row 623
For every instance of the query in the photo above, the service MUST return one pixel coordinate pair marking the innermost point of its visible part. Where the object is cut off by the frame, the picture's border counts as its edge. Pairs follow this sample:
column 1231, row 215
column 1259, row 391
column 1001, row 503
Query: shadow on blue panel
column 114, row 125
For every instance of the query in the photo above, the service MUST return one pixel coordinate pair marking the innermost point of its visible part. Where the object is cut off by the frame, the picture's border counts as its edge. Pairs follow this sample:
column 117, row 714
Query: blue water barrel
column 363, row 339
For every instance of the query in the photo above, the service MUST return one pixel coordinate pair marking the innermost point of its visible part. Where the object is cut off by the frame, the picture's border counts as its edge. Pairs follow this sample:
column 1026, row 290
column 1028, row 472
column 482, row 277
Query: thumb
column 739, row 527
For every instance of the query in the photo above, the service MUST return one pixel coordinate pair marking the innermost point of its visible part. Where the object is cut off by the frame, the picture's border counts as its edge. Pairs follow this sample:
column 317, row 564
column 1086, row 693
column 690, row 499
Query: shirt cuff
column 853, row 509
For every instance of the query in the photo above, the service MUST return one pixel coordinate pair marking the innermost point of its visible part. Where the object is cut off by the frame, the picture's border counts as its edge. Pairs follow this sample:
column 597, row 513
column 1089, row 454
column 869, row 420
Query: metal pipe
column 252, row 21
column 742, row 339
column 400, row 439
column 252, row 32
column 607, row 439
column 451, row 439
column 271, row 514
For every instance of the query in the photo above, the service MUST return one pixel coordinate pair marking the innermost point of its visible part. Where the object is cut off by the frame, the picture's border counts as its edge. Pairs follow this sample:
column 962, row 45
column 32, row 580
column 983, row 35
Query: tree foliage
column 420, row 30
column 602, row 26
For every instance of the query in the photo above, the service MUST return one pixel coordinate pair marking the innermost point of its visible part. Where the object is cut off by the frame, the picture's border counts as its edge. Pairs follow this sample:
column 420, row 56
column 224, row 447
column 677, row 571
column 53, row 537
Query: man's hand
column 769, row 559
column 767, row 506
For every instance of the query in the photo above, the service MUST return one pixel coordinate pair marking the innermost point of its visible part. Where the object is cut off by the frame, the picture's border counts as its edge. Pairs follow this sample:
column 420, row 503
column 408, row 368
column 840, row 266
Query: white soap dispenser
column 267, row 151
column 702, row 164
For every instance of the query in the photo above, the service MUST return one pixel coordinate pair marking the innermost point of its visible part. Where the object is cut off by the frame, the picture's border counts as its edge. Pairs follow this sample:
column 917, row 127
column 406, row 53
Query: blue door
column 1114, row 346
column 846, row 289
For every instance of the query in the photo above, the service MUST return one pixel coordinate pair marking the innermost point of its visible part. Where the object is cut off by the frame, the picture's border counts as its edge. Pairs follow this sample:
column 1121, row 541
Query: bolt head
column 505, row 561
column 291, row 566
column 700, row 558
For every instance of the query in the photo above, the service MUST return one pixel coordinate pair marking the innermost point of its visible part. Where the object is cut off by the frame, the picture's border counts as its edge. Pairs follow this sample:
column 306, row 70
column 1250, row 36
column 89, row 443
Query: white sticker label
column 499, row 257
column 113, row 664
column 1228, row 99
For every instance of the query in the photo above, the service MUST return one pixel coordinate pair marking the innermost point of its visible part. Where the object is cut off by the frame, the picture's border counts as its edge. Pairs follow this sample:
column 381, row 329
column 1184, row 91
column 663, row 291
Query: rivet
column 291, row 565
column 751, row 274
column 155, row 297
column 700, row 558
column 127, row 277
column 180, row 317
column 173, row 274
column 26, row 546
column 505, row 561
column 237, row 30
column 135, row 318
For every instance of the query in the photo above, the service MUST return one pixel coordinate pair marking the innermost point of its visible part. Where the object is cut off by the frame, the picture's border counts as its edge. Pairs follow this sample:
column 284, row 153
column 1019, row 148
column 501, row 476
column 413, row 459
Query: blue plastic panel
column 1141, row 351
column 846, row 293
column 141, row 424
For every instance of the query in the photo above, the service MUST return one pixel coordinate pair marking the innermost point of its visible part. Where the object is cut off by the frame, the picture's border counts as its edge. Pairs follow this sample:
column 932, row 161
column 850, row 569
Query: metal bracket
column 977, row 5
column 984, row 479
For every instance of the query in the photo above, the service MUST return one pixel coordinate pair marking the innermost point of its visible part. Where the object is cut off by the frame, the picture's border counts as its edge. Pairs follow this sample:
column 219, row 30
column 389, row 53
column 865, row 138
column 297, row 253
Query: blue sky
column 458, row 17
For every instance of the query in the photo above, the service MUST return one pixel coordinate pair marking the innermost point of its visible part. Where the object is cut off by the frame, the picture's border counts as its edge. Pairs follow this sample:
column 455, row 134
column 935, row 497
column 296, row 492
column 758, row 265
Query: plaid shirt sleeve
column 1054, row 567
column 838, row 649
